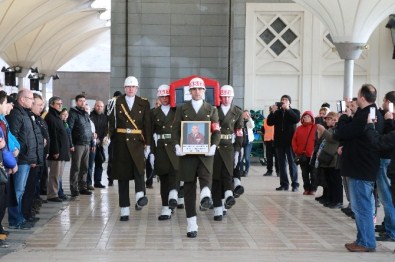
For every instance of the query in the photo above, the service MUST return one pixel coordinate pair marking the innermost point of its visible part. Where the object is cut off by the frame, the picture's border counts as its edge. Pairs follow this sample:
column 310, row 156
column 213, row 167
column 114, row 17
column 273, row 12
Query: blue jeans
column 286, row 155
column 245, row 161
column 15, row 216
column 384, row 192
column 361, row 196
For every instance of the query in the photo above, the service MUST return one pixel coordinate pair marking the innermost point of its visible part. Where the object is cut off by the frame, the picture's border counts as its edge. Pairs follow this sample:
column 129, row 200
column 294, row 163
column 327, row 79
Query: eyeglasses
column 31, row 98
column 58, row 103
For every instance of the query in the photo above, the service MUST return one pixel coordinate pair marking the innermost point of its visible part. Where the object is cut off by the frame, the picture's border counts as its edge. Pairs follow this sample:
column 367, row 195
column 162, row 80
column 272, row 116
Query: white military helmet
column 226, row 90
column 163, row 90
column 197, row 82
column 131, row 81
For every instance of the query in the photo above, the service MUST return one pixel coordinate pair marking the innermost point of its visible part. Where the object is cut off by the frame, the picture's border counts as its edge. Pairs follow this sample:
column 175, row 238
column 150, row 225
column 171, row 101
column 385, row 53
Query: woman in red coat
column 303, row 144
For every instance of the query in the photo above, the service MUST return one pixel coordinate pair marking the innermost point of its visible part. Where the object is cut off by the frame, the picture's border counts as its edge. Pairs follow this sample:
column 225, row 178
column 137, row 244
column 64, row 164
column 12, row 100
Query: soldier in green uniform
column 164, row 159
column 227, row 155
column 131, row 134
column 196, row 166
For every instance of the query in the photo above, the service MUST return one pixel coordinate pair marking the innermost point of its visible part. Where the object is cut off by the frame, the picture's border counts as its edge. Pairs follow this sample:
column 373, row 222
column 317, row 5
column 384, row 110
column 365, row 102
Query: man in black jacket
column 284, row 119
column 101, row 124
column 81, row 134
column 59, row 148
column 34, row 172
column 21, row 125
column 360, row 164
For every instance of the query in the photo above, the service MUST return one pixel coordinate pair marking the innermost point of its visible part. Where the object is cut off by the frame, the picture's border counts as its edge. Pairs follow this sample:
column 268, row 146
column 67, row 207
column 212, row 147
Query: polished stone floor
column 264, row 225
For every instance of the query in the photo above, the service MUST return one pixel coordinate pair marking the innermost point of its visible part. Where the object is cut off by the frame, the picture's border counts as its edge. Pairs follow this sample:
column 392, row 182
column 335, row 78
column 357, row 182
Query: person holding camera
column 284, row 119
column 360, row 163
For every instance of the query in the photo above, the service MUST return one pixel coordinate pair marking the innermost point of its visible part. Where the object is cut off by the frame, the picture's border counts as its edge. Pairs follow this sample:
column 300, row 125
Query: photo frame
column 195, row 137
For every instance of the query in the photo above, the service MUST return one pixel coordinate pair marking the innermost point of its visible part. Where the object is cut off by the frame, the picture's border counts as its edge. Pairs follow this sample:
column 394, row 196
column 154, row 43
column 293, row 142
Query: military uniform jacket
column 186, row 113
column 129, row 146
column 229, row 123
column 165, row 156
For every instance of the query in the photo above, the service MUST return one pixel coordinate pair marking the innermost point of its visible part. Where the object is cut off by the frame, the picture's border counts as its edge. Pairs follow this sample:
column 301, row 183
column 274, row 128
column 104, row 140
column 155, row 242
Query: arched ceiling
column 19, row 17
column 47, row 33
column 32, row 46
column 72, row 47
column 351, row 21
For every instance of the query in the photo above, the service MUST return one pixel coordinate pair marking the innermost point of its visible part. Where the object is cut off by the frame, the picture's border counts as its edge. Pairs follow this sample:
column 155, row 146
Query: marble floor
column 264, row 225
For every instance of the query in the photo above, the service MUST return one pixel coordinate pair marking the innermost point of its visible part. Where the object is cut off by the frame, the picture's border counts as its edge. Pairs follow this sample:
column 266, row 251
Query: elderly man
column 21, row 125
column 193, row 167
column 59, row 148
column 131, row 134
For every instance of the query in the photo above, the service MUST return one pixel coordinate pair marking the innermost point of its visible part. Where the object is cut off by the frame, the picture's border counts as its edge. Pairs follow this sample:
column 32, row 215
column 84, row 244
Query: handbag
column 301, row 159
column 325, row 158
column 3, row 175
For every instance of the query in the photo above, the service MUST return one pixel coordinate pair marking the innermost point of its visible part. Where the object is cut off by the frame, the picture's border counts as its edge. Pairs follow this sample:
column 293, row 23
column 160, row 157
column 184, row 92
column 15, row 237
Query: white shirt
column 130, row 101
column 225, row 109
column 165, row 109
column 197, row 104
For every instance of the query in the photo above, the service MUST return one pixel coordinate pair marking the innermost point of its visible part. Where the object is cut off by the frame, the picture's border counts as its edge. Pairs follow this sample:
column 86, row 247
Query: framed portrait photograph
column 195, row 137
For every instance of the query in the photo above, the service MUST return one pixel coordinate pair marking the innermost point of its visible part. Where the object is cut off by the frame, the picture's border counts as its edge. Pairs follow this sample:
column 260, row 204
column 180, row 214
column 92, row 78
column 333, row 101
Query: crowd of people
column 342, row 150
column 35, row 145
column 351, row 150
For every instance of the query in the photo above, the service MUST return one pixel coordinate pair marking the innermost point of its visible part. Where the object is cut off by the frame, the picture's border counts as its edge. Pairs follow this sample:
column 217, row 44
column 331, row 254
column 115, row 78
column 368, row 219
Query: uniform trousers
column 123, row 187
column 168, row 182
column 205, row 180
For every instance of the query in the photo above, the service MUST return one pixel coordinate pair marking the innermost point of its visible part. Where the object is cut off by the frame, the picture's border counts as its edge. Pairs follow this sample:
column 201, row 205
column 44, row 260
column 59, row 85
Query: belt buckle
column 128, row 131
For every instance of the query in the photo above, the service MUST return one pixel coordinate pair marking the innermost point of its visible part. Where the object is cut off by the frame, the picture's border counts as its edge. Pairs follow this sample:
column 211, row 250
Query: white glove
column 236, row 159
column 147, row 150
column 152, row 160
column 178, row 151
column 211, row 152
column 155, row 136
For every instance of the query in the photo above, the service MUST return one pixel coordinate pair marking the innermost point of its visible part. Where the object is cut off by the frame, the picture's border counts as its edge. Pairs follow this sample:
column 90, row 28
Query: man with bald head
column 101, row 124
column 21, row 125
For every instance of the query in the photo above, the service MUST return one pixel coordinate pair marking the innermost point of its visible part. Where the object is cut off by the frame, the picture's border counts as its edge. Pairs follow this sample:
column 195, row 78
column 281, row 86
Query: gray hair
column 53, row 99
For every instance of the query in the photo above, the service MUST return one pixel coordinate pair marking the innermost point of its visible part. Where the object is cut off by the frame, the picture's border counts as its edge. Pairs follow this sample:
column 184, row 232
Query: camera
column 279, row 104
column 341, row 106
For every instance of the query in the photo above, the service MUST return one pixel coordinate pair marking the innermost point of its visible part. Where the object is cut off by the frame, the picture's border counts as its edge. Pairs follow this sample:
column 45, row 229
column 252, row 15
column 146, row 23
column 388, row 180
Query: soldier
column 164, row 157
column 196, row 166
column 195, row 137
column 130, row 132
column 226, row 156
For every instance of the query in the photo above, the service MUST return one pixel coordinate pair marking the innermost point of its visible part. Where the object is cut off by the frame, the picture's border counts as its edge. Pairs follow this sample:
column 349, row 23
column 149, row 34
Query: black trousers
column 30, row 190
column 109, row 163
column 335, row 185
column 221, row 185
column 205, row 180
column 123, row 188
column 270, row 154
